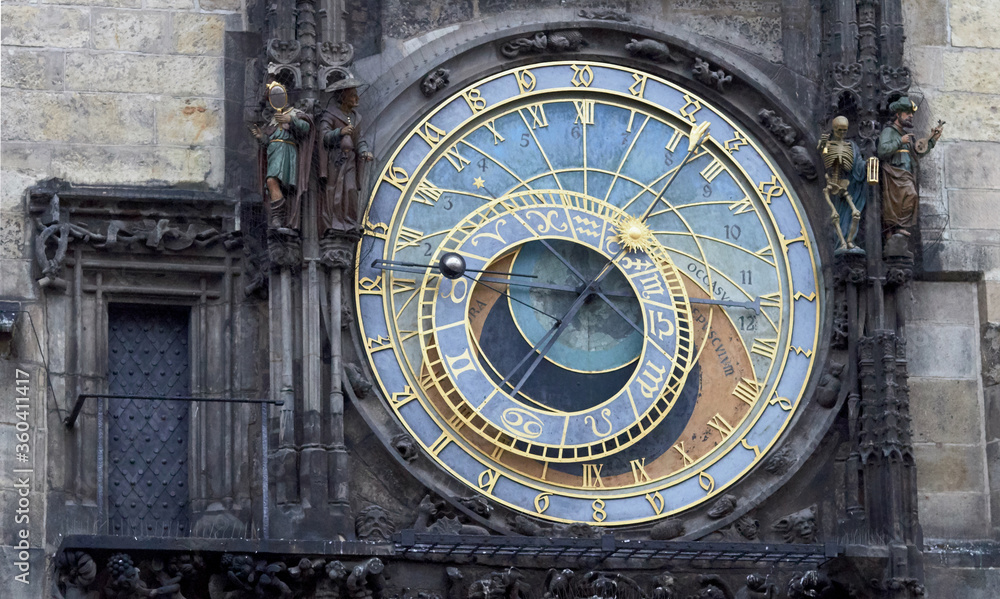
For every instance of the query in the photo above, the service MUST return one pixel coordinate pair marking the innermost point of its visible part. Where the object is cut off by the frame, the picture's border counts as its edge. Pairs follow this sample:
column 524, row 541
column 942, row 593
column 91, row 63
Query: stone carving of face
column 374, row 524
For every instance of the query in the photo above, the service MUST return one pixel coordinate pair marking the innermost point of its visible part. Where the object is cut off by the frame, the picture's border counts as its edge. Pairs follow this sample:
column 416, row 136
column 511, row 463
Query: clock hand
column 451, row 266
column 549, row 286
column 699, row 133
column 495, row 290
column 546, row 342
column 754, row 305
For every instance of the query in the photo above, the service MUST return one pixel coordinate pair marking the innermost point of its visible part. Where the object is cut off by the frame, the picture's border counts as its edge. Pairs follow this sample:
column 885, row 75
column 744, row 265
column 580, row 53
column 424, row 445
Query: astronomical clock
column 587, row 294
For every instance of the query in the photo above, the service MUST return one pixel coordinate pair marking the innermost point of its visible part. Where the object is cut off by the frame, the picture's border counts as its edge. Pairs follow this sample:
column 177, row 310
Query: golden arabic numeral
column 712, row 171
column 691, row 106
column 369, row 285
column 488, row 479
column 638, row 88
column 584, row 112
column 397, row 177
column 592, row 475
column 542, row 502
column 475, row 100
column 401, row 398
column 656, row 502
column 460, row 364
column 770, row 189
column 599, row 514
column 783, row 402
column 722, row 425
column 538, row 118
column 376, row 230
column 456, row 159
column 706, row 482
column 492, row 128
column 582, row 76
column 736, row 142
column 765, row 347
column 754, row 448
column 431, row 134
column 379, row 343
column 639, row 470
column 525, row 80
column 747, row 390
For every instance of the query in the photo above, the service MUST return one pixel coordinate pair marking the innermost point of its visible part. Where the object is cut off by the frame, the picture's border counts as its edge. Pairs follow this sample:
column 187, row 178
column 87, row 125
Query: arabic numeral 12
column 747, row 277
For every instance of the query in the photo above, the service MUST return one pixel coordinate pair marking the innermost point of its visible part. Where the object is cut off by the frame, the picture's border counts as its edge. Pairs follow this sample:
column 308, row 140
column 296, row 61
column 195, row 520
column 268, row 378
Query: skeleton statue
column 845, row 175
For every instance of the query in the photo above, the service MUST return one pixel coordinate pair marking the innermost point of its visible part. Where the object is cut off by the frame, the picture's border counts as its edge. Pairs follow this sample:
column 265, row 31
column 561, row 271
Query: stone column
column 338, row 250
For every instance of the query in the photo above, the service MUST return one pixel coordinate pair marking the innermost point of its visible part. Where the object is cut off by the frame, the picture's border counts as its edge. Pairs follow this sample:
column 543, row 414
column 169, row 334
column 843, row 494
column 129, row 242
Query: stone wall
column 952, row 49
column 99, row 92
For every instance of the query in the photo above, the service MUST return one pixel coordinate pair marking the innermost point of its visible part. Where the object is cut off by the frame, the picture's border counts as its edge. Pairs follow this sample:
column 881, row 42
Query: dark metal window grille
column 147, row 447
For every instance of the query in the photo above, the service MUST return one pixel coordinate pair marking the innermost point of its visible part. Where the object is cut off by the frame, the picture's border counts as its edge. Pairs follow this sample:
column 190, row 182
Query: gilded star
column 479, row 183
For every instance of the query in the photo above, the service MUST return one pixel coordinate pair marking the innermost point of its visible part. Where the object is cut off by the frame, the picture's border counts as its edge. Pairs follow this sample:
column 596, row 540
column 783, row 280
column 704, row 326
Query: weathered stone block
column 974, row 209
column 992, row 288
column 192, row 121
column 925, row 64
column 943, row 351
column 925, row 22
column 132, row 31
column 172, row 75
column 945, row 411
column 198, row 33
column 974, row 23
column 226, row 5
column 946, row 468
column 108, row 3
column 990, row 350
column 942, row 302
column 45, row 26
column 975, row 583
column 972, row 165
column 76, row 118
column 8, row 570
column 14, row 235
column 171, row 4
column 953, row 515
column 112, row 165
column 961, row 257
column 970, row 71
column 28, row 159
column 760, row 33
column 970, row 117
column 12, row 187
column 31, row 69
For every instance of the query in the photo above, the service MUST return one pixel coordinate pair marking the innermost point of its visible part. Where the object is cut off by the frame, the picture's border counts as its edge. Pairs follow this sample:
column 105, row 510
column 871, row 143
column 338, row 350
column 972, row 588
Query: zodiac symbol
column 593, row 423
column 523, row 422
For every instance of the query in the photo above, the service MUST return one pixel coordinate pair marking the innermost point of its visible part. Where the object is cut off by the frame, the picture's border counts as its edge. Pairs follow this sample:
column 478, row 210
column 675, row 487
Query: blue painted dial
column 595, row 384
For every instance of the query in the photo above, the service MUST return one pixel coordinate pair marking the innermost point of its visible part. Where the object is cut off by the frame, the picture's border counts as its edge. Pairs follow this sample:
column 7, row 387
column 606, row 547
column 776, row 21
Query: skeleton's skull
column 839, row 127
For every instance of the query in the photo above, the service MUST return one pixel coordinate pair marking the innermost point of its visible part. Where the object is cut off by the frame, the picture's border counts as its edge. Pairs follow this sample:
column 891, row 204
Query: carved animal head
column 798, row 526
column 700, row 68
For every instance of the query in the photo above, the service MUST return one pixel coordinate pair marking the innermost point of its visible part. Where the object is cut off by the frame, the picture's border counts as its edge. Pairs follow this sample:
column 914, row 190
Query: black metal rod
column 78, row 406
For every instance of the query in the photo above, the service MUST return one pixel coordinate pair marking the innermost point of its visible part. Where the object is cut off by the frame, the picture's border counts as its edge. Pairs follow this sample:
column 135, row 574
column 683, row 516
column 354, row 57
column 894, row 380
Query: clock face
column 637, row 315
